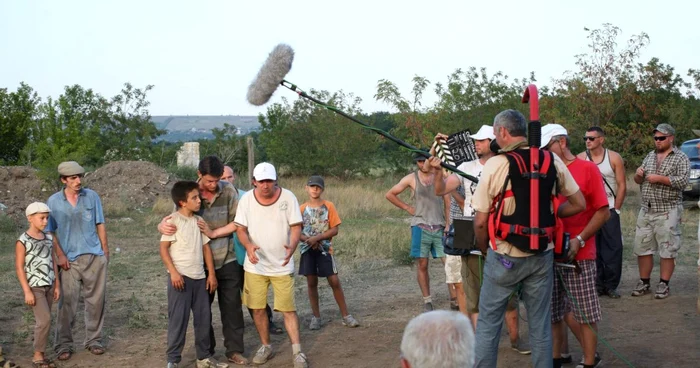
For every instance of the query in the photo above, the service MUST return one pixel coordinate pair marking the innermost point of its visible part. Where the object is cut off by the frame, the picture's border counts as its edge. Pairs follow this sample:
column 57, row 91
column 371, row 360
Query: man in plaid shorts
column 576, row 288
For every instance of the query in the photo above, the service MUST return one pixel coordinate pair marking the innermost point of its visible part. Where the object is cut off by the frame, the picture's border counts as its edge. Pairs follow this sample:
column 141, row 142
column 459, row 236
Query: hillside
column 191, row 127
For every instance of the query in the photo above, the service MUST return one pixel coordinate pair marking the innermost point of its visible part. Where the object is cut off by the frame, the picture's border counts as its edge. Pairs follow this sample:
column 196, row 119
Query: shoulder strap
column 588, row 153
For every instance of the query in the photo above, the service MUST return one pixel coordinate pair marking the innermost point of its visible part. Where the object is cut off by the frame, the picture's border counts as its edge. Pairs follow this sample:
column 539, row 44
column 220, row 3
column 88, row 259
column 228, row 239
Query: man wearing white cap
column 582, row 228
column 269, row 226
column 465, row 271
column 82, row 253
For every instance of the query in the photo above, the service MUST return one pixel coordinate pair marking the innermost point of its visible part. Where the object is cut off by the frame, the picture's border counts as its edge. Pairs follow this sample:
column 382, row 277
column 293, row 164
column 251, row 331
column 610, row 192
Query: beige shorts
column 453, row 269
column 658, row 232
column 255, row 289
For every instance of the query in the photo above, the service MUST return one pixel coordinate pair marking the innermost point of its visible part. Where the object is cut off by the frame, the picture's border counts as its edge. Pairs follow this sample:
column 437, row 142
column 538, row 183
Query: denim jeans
column 536, row 275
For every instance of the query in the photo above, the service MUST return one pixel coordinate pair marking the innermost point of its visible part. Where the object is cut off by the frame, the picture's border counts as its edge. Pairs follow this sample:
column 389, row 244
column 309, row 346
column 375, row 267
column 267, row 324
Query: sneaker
column 263, row 354
column 172, row 365
column 612, row 293
column 210, row 363
column 598, row 362
column 662, row 291
column 521, row 347
column 350, row 321
column 300, row 361
column 315, row 323
column 428, row 306
column 641, row 289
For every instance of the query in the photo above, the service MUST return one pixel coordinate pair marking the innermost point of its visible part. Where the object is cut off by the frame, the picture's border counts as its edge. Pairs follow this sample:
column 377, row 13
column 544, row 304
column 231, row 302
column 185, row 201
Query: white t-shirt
column 473, row 168
column 268, row 228
column 186, row 246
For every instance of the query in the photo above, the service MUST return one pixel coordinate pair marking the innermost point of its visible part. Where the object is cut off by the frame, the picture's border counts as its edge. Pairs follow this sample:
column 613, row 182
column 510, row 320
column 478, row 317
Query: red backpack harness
column 500, row 230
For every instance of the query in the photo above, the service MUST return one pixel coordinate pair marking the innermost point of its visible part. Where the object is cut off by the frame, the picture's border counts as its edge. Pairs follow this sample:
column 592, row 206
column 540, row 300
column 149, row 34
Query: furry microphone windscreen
column 271, row 75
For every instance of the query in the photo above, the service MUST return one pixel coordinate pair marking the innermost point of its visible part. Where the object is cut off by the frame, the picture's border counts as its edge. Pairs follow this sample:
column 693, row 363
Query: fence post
column 251, row 158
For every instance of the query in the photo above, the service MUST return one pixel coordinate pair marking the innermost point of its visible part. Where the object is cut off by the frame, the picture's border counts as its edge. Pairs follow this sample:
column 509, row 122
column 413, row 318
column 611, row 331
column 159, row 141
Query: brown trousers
column 88, row 271
column 43, row 297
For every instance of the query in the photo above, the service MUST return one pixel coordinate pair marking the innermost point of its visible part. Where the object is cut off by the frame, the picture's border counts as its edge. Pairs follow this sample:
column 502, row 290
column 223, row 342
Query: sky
column 201, row 56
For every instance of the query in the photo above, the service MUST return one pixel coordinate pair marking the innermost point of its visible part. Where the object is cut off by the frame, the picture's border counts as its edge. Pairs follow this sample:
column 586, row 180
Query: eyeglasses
column 590, row 139
column 660, row 138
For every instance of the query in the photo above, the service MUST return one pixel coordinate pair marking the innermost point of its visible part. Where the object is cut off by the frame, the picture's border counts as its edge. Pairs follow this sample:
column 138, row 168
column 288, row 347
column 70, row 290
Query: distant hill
column 191, row 127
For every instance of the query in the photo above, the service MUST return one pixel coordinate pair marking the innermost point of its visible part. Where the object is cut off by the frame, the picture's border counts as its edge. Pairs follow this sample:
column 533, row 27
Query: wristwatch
column 580, row 240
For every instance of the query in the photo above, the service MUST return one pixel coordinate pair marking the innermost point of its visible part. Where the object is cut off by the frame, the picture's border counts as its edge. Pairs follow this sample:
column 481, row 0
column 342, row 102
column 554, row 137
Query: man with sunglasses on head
column 82, row 255
column 663, row 176
column 609, row 238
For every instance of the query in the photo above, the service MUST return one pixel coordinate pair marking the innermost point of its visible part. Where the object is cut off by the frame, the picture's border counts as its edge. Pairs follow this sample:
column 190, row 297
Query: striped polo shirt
column 220, row 213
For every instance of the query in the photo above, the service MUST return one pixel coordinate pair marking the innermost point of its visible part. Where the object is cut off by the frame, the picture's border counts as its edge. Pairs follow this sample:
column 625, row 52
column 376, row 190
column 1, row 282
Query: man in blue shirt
column 80, row 243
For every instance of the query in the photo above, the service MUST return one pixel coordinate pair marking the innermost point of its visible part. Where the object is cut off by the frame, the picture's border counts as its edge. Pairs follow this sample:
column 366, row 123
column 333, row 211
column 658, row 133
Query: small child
column 184, row 254
column 321, row 223
column 36, row 271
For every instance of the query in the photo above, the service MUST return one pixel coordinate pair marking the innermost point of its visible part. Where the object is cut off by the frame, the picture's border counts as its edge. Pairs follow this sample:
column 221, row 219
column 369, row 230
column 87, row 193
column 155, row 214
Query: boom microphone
column 271, row 75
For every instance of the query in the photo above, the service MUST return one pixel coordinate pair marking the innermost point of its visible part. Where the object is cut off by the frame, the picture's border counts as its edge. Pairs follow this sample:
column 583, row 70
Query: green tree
column 126, row 130
column 17, row 111
column 305, row 138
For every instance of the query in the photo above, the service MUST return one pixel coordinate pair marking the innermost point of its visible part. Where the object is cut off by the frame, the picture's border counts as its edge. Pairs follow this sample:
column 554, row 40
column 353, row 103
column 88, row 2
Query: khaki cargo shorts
column 453, row 269
column 658, row 232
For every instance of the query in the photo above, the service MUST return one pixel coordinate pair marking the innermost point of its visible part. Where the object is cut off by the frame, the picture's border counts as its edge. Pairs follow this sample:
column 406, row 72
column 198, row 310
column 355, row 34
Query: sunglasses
column 590, row 139
column 660, row 138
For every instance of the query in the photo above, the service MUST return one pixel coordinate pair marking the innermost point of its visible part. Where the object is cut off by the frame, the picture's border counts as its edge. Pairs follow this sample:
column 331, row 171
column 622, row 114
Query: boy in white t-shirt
column 184, row 254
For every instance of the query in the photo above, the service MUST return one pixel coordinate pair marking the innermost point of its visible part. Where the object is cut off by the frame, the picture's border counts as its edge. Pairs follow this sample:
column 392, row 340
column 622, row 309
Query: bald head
column 229, row 176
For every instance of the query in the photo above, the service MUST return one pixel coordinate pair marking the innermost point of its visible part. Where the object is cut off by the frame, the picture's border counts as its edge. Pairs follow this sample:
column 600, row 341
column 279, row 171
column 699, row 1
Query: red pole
column 530, row 96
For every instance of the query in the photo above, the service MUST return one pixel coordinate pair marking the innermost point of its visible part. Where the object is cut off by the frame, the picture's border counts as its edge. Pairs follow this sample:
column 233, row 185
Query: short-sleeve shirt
column 318, row 220
column 76, row 227
column 38, row 260
column 491, row 184
column 218, row 213
column 186, row 246
column 473, row 168
column 269, row 228
column 590, row 182
column 660, row 197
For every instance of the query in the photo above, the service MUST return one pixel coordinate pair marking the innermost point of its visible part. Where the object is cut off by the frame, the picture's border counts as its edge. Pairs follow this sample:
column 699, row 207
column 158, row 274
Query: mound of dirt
column 19, row 186
column 122, row 185
column 130, row 184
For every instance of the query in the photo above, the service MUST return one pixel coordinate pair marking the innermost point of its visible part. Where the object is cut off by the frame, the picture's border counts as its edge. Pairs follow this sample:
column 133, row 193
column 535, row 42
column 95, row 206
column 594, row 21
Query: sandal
column 96, row 349
column 6, row 363
column 45, row 363
column 65, row 355
column 238, row 358
column 275, row 330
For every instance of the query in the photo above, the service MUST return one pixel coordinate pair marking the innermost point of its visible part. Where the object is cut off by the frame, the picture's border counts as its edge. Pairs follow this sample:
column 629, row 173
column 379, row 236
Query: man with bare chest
column 663, row 176
column 430, row 216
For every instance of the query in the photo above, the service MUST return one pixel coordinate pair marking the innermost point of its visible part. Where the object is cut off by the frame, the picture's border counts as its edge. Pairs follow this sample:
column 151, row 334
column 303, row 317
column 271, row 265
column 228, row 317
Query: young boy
column 36, row 271
column 184, row 254
column 321, row 223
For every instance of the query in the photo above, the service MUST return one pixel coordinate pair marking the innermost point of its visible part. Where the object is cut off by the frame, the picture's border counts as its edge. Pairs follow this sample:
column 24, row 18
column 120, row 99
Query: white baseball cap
column 550, row 131
column 264, row 171
column 37, row 207
column 485, row 132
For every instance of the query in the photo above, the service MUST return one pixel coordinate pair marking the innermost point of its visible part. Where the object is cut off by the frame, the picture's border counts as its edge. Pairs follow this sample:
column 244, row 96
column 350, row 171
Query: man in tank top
column 609, row 238
column 427, row 224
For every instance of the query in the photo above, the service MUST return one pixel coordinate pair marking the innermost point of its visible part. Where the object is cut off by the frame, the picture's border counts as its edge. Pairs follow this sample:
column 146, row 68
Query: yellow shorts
column 255, row 289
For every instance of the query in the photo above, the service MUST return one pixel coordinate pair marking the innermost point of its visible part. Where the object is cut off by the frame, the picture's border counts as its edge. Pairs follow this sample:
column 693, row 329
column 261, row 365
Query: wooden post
column 251, row 158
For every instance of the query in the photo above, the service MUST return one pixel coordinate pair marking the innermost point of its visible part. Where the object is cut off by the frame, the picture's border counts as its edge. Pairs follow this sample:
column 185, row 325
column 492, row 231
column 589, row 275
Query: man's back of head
column 435, row 339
